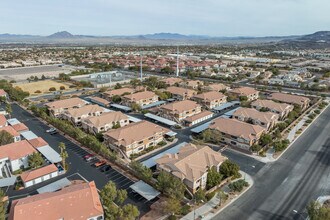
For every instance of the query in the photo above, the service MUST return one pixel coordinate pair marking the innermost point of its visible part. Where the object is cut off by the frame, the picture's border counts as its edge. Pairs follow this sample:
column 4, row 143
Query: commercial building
column 282, row 109
column 56, row 108
column 266, row 120
column 191, row 165
column 179, row 110
column 140, row 98
column 211, row 99
column 301, row 101
column 248, row 92
column 77, row 201
column 237, row 133
column 104, row 122
column 135, row 137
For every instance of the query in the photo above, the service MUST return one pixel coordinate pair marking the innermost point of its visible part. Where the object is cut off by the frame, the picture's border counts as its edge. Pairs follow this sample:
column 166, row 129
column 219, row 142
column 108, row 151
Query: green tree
column 62, row 87
column 170, row 185
column 118, row 86
column 6, row 138
column 9, row 110
column 64, row 154
column 317, row 212
column 116, row 99
column 129, row 212
column 135, row 107
column 35, row 160
column 200, row 196
column 141, row 171
column 121, row 197
column 238, row 185
column 172, row 206
column 243, row 98
column 135, row 83
column 109, row 193
column 211, row 136
column 229, row 168
column 43, row 77
column 3, row 205
column 265, row 139
column 213, row 178
column 116, row 125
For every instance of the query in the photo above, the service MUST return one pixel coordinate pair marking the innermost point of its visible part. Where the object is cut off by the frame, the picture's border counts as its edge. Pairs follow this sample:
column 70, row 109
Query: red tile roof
column 38, row 142
column 36, row 173
column 16, row 150
column 20, row 127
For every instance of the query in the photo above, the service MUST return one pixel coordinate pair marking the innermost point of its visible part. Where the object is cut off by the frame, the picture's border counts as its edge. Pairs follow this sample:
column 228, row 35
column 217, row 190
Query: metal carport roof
column 50, row 154
column 121, row 107
column 29, row 135
column 160, row 119
column 153, row 104
column 145, row 190
column 59, row 184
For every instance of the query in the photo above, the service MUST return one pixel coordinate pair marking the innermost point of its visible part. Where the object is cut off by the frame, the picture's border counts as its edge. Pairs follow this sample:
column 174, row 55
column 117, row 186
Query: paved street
column 76, row 162
column 299, row 176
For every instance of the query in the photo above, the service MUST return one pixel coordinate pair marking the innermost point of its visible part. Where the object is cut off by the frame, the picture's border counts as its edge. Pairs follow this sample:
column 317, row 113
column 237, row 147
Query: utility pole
column 141, row 66
column 177, row 61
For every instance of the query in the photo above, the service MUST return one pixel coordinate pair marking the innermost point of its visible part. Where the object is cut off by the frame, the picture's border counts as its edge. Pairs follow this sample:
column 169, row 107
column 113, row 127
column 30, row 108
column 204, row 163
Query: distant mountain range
column 160, row 38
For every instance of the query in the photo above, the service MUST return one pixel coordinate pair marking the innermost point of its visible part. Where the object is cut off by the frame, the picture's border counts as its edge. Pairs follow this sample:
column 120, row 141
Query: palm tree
column 64, row 154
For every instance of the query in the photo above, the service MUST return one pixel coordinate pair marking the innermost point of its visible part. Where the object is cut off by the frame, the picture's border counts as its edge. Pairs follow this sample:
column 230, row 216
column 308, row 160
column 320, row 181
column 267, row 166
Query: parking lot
column 76, row 161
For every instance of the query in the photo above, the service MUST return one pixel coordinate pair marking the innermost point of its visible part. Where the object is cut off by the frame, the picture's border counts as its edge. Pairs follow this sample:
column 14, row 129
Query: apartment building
column 140, row 98
column 248, row 92
column 179, row 93
column 171, row 81
column 135, row 137
column 266, row 120
column 179, row 110
column 218, row 87
column 56, row 108
column 237, row 133
column 211, row 99
column 100, row 101
column 76, row 115
column 109, row 94
column 77, row 201
column 191, row 165
column 3, row 93
column 3, row 121
column 191, row 84
column 15, row 155
column 301, row 101
column 12, row 132
column 104, row 122
column 282, row 109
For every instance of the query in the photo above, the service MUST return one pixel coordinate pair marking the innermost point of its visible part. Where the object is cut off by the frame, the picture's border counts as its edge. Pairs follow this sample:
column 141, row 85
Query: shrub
column 37, row 91
column 229, row 168
column 210, row 195
column 238, row 185
column 62, row 87
column 52, row 89
column 172, row 217
column 185, row 209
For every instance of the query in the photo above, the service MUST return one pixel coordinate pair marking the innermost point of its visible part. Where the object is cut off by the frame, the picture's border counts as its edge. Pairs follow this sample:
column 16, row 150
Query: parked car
column 99, row 163
column 51, row 130
column 105, row 168
column 88, row 156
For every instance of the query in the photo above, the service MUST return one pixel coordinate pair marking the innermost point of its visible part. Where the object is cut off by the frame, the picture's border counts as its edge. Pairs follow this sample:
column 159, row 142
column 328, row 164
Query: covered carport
column 144, row 190
column 57, row 185
column 161, row 119
column 50, row 154
column 121, row 107
column 155, row 104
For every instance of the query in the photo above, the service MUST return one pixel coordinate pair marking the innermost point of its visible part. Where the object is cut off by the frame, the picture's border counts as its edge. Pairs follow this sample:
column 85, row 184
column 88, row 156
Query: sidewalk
column 206, row 209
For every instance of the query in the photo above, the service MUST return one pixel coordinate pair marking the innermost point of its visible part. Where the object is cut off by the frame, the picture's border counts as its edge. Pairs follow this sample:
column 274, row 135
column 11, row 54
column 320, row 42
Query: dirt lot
column 42, row 86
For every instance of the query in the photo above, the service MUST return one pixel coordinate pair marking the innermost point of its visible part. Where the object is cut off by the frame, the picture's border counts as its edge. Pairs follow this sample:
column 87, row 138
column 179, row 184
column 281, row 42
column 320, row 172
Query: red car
column 100, row 163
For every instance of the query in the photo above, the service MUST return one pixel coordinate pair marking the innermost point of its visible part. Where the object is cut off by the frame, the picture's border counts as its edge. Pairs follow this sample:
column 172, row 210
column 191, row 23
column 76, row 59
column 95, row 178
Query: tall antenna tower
column 141, row 66
column 177, row 61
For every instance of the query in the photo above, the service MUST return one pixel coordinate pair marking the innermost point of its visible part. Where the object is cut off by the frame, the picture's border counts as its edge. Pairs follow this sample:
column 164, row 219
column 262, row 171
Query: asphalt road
column 76, row 163
column 302, row 174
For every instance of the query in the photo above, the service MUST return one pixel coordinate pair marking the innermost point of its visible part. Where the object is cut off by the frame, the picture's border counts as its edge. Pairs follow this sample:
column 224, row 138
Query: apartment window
column 233, row 142
column 140, row 148
column 140, row 142
column 150, row 138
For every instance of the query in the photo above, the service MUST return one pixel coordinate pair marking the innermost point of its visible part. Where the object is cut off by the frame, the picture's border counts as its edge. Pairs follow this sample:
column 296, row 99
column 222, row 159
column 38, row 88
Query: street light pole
column 295, row 211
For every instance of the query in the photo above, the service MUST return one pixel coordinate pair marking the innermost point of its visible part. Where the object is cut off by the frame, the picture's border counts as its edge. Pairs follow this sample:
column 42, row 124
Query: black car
column 105, row 168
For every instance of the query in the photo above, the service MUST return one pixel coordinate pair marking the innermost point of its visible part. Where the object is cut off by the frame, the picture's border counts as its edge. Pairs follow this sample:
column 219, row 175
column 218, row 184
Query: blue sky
column 131, row 17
